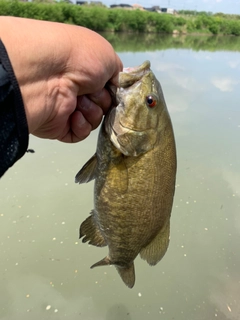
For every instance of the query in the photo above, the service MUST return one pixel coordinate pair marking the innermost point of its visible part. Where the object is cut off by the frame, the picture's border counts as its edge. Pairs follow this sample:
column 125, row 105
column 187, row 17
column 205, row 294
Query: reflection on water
column 123, row 42
column 45, row 270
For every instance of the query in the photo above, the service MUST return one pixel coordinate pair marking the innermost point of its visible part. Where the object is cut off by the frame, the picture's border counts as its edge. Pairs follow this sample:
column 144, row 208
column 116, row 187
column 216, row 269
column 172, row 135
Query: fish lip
column 144, row 66
column 130, row 76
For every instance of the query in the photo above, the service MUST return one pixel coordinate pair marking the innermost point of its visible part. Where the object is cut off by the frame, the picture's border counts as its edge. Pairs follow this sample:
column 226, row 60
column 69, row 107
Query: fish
column 134, row 169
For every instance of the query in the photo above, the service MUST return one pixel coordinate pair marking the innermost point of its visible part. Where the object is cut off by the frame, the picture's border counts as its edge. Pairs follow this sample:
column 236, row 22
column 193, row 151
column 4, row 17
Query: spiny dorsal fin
column 157, row 248
column 90, row 232
column 88, row 171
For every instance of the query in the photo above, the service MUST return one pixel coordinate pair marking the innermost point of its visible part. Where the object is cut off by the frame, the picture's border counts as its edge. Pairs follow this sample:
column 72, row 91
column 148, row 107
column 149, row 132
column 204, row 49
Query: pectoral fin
column 157, row 248
column 90, row 232
column 88, row 171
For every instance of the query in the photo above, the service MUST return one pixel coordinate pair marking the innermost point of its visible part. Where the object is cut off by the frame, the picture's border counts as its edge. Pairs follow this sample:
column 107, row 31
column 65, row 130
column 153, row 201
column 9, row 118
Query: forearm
column 27, row 43
column 13, row 122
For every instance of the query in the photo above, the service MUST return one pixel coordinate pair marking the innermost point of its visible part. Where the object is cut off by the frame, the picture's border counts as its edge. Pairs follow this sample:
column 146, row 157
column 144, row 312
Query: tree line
column 125, row 42
column 101, row 18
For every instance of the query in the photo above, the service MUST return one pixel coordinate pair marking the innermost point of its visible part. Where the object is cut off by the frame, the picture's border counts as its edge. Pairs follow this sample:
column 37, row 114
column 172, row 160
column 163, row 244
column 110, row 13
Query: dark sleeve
column 13, row 122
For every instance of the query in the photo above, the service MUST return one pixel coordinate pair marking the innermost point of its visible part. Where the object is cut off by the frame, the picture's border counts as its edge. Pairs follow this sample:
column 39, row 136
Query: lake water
column 45, row 269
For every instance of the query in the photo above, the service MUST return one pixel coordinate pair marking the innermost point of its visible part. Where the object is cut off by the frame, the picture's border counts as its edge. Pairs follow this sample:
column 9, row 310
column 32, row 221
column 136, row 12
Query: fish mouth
column 129, row 78
column 144, row 66
column 131, row 75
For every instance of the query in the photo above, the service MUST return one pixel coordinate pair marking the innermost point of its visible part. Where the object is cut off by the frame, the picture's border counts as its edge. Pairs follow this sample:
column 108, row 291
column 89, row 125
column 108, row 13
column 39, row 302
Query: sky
column 225, row 6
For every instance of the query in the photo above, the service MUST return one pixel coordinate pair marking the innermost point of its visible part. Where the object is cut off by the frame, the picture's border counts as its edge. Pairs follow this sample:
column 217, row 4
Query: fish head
column 133, row 125
column 138, row 98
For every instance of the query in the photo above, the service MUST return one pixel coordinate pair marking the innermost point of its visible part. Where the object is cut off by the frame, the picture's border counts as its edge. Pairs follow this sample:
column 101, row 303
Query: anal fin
column 157, row 248
column 90, row 232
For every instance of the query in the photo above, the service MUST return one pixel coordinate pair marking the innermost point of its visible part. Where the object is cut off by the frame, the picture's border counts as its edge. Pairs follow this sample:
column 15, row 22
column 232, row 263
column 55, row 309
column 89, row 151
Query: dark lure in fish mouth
column 134, row 169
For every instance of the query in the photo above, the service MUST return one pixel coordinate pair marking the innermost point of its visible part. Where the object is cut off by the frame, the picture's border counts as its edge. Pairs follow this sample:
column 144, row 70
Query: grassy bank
column 100, row 18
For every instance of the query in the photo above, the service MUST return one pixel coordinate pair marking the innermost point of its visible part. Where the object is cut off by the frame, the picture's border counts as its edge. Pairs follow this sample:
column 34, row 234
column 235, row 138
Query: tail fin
column 126, row 273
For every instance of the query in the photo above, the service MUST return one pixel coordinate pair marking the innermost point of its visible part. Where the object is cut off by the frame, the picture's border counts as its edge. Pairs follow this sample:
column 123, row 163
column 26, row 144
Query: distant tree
column 44, row 1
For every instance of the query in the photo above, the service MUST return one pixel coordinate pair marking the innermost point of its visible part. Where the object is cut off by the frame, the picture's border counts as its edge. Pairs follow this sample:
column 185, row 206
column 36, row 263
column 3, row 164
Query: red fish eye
column 151, row 101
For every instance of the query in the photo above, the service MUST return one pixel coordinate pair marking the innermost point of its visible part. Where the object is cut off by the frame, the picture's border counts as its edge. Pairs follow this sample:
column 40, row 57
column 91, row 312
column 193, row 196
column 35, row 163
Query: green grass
column 100, row 18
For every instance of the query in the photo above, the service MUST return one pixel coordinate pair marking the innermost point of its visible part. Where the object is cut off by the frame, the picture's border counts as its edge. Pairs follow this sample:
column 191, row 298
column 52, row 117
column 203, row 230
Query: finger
column 102, row 98
column 118, row 68
column 80, row 128
column 90, row 110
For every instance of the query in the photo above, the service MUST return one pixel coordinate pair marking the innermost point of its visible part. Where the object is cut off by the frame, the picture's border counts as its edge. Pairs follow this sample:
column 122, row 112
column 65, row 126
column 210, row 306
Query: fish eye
column 151, row 101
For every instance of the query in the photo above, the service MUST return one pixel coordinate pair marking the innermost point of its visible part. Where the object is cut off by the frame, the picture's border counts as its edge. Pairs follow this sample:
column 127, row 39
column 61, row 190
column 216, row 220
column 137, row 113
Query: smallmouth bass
column 134, row 168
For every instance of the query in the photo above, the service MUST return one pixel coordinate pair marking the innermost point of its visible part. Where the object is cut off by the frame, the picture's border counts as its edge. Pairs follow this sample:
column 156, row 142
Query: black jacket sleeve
column 13, row 123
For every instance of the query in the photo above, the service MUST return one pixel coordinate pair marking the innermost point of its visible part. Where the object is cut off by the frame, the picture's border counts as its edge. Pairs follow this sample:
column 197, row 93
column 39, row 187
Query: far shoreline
column 102, row 19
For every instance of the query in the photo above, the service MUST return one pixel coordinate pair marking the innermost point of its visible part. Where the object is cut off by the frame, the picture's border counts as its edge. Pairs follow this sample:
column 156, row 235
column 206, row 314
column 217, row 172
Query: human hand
column 61, row 71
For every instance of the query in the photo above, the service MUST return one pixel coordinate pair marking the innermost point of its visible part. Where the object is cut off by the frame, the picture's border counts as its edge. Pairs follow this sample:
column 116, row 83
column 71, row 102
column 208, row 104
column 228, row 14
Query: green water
column 45, row 269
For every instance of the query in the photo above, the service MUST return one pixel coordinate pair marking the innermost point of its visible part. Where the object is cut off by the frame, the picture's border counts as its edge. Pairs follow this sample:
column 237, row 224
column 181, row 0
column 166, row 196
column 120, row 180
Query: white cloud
column 167, row 67
column 178, row 75
column 234, row 64
column 224, row 84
